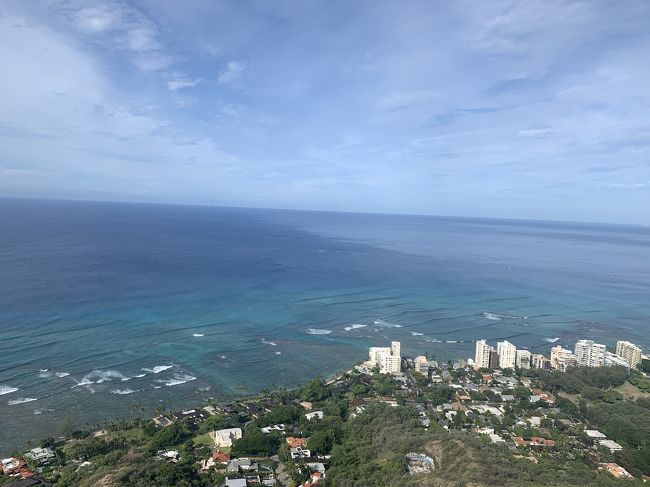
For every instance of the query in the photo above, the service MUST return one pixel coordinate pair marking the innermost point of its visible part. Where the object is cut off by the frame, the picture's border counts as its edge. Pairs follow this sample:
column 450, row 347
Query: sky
column 536, row 109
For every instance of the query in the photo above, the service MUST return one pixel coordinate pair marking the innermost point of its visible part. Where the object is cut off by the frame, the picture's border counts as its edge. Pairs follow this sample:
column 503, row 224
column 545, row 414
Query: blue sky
column 536, row 109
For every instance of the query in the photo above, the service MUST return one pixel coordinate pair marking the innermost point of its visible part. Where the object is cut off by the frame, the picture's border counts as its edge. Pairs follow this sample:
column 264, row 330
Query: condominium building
column 562, row 359
column 395, row 349
column 590, row 354
column 386, row 358
column 507, row 355
column 611, row 359
column 538, row 361
column 630, row 352
column 523, row 358
column 482, row 356
column 421, row 365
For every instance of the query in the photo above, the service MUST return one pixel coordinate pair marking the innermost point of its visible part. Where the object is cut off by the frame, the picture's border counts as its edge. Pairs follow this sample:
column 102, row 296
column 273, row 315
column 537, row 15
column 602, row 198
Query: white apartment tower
column 629, row 352
column 482, row 356
column 507, row 355
column 590, row 354
column 388, row 359
column 561, row 358
column 523, row 358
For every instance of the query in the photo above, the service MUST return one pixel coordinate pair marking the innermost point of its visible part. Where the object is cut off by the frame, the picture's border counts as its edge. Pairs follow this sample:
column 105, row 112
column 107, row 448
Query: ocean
column 109, row 309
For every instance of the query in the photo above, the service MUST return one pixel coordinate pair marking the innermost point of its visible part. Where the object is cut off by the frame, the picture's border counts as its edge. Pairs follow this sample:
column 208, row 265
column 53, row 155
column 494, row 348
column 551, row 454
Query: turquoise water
column 106, row 308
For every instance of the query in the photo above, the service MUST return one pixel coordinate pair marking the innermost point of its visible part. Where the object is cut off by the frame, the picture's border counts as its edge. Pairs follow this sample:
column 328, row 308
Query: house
column 544, row 396
column 315, row 414
column 507, row 397
column 534, row 442
column 294, row 442
column 169, row 455
column 610, row 445
column 594, row 434
column 615, row 470
column 244, row 464
column 235, row 483
column 220, row 457
column 41, row 456
column 162, row 421
column 300, row 452
column 275, row 427
column 226, row 437
column 306, row 404
column 13, row 465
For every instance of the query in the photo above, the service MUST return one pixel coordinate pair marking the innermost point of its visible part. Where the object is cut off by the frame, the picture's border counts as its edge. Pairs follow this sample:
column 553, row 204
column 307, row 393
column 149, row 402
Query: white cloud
column 535, row 132
column 232, row 73
column 180, row 83
column 406, row 99
column 98, row 19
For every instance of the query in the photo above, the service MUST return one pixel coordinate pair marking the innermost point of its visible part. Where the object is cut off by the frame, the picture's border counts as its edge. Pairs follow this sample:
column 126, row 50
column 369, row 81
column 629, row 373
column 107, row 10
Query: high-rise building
column 630, row 352
column 494, row 359
column 482, row 356
column 523, row 358
column 590, row 354
column 538, row 361
column 507, row 355
column 386, row 358
column 611, row 359
column 421, row 365
column 562, row 359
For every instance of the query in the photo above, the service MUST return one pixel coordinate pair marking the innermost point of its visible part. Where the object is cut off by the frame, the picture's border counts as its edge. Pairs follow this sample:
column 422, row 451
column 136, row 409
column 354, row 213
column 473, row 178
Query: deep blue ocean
column 106, row 307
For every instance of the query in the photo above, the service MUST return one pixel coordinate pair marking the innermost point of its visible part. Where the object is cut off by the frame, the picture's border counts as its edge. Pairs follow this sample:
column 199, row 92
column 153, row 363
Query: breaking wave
column 158, row 369
column 176, row 380
column 7, row 390
column 354, row 327
column 318, row 331
column 123, row 392
column 417, row 334
column 267, row 342
column 198, row 334
column 385, row 324
column 21, row 400
column 552, row 340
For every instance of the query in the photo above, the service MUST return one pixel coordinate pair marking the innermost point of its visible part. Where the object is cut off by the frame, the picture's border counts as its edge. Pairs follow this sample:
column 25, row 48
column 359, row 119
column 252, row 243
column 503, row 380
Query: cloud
column 232, row 72
column 181, row 83
column 535, row 132
column 396, row 101
column 98, row 19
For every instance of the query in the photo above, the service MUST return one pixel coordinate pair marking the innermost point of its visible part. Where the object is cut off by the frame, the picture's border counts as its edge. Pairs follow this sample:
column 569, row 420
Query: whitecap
column 386, row 324
column 354, row 327
column 198, row 334
column 491, row 316
column 37, row 412
column 278, row 353
column 267, row 342
column 417, row 334
column 158, row 369
column 177, row 379
column 552, row 340
column 7, row 390
column 21, row 400
column 451, row 341
column 138, row 376
column 62, row 374
column 123, row 392
column 99, row 377
column 44, row 373
column 222, row 356
column 318, row 331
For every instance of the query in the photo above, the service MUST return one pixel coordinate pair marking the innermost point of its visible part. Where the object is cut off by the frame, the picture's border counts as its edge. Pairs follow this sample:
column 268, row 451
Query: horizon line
column 345, row 212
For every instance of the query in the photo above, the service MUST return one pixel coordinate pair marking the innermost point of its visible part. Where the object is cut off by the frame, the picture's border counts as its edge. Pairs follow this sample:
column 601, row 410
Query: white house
column 226, row 437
